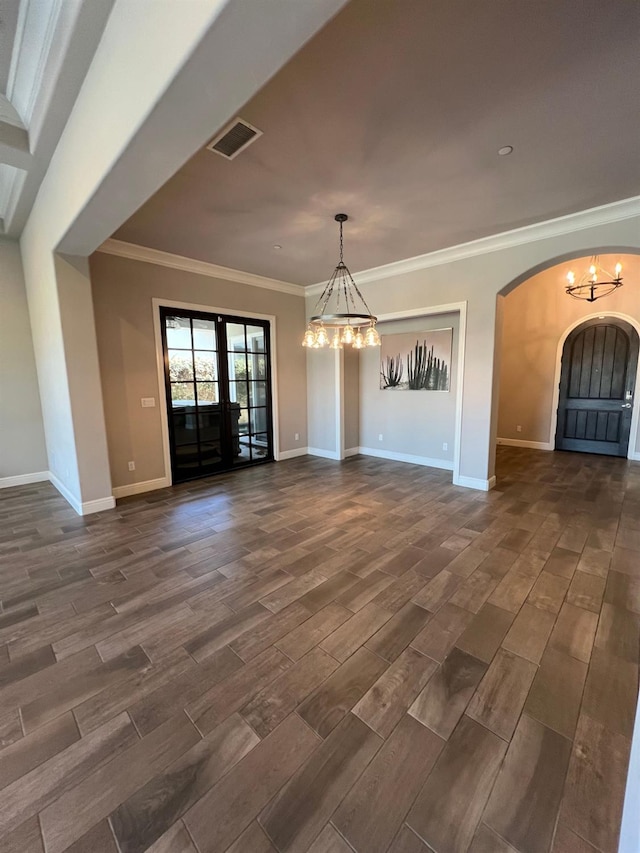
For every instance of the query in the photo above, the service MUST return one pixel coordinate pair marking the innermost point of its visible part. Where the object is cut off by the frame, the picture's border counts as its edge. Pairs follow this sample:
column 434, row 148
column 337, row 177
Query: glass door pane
column 249, row 390
column 193, row 398
column 217, row 377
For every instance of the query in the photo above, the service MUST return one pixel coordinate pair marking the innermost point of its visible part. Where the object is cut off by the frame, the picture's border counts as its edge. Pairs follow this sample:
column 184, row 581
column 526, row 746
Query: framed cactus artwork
column 416, row 361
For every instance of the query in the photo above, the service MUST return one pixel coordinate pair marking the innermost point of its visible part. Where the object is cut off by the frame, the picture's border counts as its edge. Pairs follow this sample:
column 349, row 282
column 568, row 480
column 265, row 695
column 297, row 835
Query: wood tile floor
column 324, row 657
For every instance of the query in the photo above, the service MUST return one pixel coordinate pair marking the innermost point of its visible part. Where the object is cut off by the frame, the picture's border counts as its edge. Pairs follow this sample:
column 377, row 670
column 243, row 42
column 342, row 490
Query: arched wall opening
column 535, row 318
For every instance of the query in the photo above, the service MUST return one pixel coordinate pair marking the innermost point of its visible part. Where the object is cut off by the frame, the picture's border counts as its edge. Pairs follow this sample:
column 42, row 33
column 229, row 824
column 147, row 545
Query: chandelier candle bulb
column 348, row 335
column 595, row 283
column 309, row 338
column 372, row 338
column 322, row 338
column 341, row 309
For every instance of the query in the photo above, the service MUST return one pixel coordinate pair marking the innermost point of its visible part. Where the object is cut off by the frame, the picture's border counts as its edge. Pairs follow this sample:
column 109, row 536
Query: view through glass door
column 218, row 384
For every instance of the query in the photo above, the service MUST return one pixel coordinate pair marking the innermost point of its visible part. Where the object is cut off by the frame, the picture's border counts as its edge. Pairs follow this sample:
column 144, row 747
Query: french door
column 218, row 385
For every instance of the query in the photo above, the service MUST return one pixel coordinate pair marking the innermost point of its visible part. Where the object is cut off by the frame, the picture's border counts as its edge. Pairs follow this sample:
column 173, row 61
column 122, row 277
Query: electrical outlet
column 148, row 402
column 380, row 437
column 297, row 436
column 445, row 446
column 132, row 466
column 518, row 427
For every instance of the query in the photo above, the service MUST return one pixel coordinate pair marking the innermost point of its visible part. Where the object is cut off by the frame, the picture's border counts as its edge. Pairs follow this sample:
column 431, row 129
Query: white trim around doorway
column 210, row 309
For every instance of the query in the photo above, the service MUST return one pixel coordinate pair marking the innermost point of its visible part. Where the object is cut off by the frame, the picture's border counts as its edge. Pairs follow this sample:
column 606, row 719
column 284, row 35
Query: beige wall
column 22, row 448
column 351, row 390
column 536, row 316
column 322, row 408
column 333, row 409
column 123, row 290
column 451, row 277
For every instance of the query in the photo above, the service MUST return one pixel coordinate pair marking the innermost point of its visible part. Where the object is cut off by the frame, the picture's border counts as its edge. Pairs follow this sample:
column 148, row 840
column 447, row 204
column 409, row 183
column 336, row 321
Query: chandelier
column 341, row 311
column 594, row 283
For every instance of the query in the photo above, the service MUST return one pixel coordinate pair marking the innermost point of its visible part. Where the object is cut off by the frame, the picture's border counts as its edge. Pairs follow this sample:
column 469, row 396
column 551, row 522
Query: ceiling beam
column 14, row 146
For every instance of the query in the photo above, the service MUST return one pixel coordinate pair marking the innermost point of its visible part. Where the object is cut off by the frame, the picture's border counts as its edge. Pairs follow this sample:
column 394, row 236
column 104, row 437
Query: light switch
column 148, row 402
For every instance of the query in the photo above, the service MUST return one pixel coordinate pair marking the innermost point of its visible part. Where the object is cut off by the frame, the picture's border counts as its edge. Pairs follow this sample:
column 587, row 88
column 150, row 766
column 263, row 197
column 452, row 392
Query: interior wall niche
column 420, row 425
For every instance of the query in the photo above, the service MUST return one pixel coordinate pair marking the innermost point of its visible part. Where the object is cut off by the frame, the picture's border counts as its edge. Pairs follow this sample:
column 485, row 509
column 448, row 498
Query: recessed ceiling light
column 506, row 149
column 277, row 246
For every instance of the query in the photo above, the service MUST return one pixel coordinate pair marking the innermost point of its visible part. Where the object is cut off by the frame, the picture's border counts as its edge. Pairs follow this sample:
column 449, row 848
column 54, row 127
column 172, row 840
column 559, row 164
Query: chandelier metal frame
column 346, row 323
column 595, row 283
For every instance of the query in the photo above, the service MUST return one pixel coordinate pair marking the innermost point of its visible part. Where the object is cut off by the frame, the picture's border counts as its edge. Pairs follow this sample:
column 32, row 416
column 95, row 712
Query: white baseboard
column 633, row 455
column 351, row 451
column 24, row 479
column 444, row 464
column 520, row 442
column 66, row 494
column 324, row 454
column 474, row 483
column 291, row 454
column 99, row 505
column 140, row 488
column 87, row 507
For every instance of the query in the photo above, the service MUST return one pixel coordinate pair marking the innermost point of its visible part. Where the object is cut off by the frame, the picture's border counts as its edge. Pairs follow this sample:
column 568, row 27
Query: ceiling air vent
column 234, row 138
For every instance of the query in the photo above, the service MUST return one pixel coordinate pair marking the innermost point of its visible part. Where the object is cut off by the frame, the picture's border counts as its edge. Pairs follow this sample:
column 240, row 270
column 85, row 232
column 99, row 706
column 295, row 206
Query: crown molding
column 594, row 216
column 614, row 212
column 179, row 262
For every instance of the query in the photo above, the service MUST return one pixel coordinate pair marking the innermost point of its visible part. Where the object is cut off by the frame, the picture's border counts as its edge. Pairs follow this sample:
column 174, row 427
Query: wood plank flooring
column 321, row 657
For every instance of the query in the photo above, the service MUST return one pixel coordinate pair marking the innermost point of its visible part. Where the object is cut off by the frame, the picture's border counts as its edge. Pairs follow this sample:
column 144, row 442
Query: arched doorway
column 597, row 384
column 534, row 319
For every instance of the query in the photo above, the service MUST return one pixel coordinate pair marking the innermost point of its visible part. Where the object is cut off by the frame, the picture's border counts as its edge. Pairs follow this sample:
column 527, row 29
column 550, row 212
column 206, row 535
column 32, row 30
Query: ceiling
column 394, row 113
column 8, row 24
column 46, row 47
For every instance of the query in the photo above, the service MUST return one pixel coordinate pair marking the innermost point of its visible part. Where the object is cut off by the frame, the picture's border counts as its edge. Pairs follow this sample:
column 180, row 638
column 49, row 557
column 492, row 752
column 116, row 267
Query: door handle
column 625, row 406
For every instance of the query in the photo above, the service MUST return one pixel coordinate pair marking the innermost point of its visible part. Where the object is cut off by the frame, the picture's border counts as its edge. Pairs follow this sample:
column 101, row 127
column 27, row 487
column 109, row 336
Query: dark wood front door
column 597, row 383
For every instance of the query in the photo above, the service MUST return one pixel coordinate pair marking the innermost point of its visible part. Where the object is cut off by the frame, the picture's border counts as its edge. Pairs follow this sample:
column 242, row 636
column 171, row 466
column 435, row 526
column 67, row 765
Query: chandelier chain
column 342, row 309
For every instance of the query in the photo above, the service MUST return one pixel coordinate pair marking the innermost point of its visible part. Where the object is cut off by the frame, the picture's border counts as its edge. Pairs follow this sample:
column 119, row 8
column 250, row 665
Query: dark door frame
column 593, row 319
column 243, row 316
